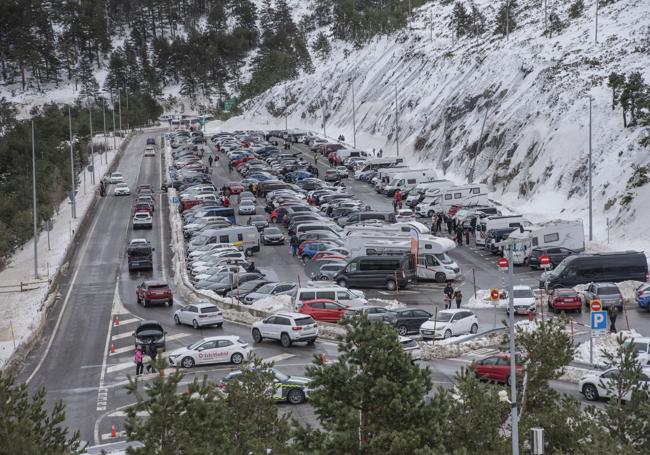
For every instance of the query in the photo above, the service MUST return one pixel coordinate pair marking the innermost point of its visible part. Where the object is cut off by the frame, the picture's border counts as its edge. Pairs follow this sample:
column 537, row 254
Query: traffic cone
column 323, row 359
column 116, row 321
column 113, row 432
column 112, row 348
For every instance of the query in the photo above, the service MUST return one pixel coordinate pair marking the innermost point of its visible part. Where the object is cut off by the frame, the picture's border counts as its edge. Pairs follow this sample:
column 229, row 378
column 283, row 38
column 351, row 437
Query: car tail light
column 203, row 315
column 296, row 328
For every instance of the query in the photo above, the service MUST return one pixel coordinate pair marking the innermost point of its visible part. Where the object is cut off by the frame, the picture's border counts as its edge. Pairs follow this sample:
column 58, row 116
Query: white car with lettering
column 220, row 349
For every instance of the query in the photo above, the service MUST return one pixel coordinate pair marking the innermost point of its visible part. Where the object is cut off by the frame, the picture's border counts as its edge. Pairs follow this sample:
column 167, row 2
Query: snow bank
column 274, row 303
column 606, row 343
column 23, row 313
column 482, row 300
column 444, row 349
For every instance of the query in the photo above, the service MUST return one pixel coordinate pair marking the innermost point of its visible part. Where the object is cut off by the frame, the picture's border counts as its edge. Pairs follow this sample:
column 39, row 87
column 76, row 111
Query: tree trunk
column 624, row 119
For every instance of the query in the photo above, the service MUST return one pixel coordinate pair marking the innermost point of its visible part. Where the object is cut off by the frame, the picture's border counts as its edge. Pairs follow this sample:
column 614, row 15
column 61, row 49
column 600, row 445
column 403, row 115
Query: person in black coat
column 153, row 352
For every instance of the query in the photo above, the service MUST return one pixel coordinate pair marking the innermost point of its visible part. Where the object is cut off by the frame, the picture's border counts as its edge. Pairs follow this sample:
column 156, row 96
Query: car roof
column 222, row 337
column 452, row 311
column 150, row 322
column 155, row 283
column 521, row 286
column 604, row 284
column 292, row 315
column 202, row 304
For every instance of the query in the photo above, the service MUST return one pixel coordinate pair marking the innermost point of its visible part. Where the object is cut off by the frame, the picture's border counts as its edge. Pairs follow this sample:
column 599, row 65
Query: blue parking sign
column 599, row 320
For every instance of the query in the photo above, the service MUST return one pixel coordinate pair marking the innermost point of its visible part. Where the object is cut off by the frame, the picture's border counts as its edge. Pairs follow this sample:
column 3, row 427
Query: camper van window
column 431, row 261
column 240, row 237
column 400, row 183
column 447, row 197
column 548, row 238
column 475, row 190
column 427, row 246
column 410, row 181
column 535, row 241
column 458, row 195
column 371, row 252
column 223, row 239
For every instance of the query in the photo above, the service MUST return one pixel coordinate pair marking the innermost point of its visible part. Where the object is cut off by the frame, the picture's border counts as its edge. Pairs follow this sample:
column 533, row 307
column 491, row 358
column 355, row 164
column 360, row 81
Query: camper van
column 556, row 233
column 406, row 180
column 377, row 163
column 432, row 195
column 484, row 225
column 381, row 230
column 432, row 260
column 343, row 154
column 386, row 175
column 464, row 195
column 420, row 190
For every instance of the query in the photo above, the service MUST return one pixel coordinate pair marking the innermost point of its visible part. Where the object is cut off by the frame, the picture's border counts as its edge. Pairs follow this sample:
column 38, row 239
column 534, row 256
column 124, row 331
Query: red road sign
column 503, row 263
column 494, row 295
column 596, row 305
column 545, row 261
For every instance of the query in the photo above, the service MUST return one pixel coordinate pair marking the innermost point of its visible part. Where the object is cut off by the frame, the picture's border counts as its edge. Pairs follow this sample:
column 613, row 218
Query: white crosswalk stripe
column 279, row 357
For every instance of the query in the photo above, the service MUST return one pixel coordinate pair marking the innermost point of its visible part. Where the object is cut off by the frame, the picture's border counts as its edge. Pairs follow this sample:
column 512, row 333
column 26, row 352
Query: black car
column 272, row 236
column 293, row 389
column 223, row 287
column 406, row 320
column 246, row 288
column 259, row 221
column 556, row 255
column 149, row 332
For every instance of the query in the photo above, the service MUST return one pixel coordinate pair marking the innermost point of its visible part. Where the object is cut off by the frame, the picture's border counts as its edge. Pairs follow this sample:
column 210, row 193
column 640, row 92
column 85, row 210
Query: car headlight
column 173, row 356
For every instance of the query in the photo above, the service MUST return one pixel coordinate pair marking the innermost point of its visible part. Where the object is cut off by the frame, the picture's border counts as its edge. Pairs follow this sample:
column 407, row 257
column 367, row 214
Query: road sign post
column 545, row 262
column 503, row 264
column 598, row 321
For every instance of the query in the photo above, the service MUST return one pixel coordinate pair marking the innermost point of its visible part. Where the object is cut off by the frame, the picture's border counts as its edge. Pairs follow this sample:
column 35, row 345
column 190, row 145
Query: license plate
column 427, row 332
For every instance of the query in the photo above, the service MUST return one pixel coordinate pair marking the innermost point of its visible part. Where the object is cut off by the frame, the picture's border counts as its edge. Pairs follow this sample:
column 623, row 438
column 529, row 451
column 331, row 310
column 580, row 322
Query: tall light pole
column 92, row 146
column 113, row 110
column 127, row 110
column 72, row 182
column 354, row 120
column 286, row 112
column 591, row 230
column 596, row 28
column 119, row 107
column 35, row 219
column 322, row 108
column 514, row 415
column 105, row 135
column 396, row 122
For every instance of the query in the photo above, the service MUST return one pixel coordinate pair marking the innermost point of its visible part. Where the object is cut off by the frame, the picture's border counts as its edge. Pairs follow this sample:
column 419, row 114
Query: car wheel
column 430, row 213
column 305, row 258
column 195, row 324
column 474, row 329
column 237, row 358
column 447, row 334
column 219, row 325
column 285, row 340
column 311, row 342
column 343, row 283
column 440, row 277
column 296, row 396
column 323, row 278
column 170, row 302
column 257, row 336
column 590, row 392
column 187, row 362
column 274, row 220
column 391, row 285
column 402, row 330
column 138, row 299
column 177, row 320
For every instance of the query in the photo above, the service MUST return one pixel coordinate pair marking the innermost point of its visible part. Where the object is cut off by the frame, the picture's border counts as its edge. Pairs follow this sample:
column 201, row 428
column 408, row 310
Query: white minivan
column 326, row 290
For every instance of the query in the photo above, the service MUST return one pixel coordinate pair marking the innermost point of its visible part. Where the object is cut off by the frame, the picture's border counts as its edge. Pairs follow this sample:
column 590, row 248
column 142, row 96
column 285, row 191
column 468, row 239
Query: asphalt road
column 73, row 361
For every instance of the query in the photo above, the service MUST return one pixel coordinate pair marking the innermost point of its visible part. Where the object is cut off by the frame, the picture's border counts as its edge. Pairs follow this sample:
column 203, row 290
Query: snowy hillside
column 535, row 145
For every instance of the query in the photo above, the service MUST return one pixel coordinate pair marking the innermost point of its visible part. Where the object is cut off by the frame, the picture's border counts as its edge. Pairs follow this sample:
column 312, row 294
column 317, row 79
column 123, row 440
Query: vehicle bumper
column 274, row 242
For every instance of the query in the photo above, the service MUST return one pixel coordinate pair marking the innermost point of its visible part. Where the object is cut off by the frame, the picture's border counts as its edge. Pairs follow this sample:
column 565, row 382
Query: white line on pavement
column 120, row 336
column 279, row 357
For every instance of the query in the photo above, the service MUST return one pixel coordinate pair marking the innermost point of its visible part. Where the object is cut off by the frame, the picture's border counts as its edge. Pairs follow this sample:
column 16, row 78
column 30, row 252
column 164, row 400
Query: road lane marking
column 130, row 321
column 120, row 336
column 126, row 365
column 279, row 357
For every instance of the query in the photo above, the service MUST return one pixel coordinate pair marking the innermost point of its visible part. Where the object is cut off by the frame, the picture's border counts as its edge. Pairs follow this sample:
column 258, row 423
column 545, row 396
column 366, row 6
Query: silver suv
column 286, row 327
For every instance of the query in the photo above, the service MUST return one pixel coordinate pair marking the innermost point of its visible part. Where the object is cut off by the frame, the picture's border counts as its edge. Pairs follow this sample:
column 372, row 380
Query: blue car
column 299, row 175
column 643, row 296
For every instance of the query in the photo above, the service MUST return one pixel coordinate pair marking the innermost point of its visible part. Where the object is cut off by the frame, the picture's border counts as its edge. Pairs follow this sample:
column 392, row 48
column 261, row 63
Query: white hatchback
column 199, row 315
column 523, row 299
column 121, row 189
column 600, row 384
column 450, row 323
column 117, row 177
column 221, row 349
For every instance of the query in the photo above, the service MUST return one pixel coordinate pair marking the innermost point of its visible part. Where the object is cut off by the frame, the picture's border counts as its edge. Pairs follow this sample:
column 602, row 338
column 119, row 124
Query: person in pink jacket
column 139, row 367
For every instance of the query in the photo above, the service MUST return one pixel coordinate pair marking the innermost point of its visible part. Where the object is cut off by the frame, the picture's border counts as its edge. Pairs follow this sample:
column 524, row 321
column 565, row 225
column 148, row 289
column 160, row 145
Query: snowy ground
column 21, row 312
column 601, row 344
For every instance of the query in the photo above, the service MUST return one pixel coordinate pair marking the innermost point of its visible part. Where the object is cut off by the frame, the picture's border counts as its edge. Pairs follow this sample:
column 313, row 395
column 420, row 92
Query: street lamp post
column 35, row 219
column 591, row 230
column 286, row 113
column 113, row 110
column 322, row 107
column 514, row 416
column 72, row 182
column 92, row 146
column 105, row 135
column 354, row 121
column 396, row 122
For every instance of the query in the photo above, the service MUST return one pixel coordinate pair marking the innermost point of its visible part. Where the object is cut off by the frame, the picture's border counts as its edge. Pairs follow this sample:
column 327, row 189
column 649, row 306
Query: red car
column 234, row 187
column 496, row 368
column 149, row 292
column 323, row 310
column 563, row 299
column 143, row 207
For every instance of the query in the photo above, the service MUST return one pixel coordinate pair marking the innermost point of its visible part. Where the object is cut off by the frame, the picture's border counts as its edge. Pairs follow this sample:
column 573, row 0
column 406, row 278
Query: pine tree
column 322, row 46
column 371, row 399
column 85, row 73
column 476, row 21
column 506, row 18
column 555, row 24
column 460, row 20
column 27, row 425
column 576, row 9
column 635, row 96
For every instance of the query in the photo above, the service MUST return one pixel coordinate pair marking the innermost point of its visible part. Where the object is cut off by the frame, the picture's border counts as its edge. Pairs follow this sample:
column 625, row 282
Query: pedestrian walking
column 316, row 159
column 381, row 152
column 458, row 297
column 447, row 302
column 153, row 352
column 229, row 166
column 459, row 236
column 139, row 367
column 448, row 291
column 294, row 245
column 613, row 314
column 466, row 236
column 210, row 161
column 439, row 224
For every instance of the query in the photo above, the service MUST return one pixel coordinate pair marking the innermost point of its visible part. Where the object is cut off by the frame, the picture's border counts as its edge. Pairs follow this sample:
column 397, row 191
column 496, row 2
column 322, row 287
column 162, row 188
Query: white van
column 327, row 290
column 245, row 237
column 484, row 225
column 384, row 176
column 377, row 163
column 464, row 195
column 556, row 233
column 406, row 180
column 375, row 229
column 420, row 190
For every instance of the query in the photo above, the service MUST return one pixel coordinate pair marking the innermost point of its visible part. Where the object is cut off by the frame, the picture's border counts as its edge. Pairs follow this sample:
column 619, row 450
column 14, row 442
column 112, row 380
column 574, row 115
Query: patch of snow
column 438, row 350
column 482, row 300
column 274, row 303
column 606, row 343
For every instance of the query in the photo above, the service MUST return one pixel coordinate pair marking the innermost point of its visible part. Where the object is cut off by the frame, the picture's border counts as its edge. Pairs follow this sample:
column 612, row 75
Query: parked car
column 523, row 299
column 116, row 177
column 377, row 271
column 292, row 389
column 608, row 293
column 449, row 323
column 643, row 296
column 259, row 221
column 289, row 328
column 411, row 347
column 150, row 332
column 247, row 207
column 282, row 288
column 496, row 368
column 199, row 315
column 328, row 271
column 142, row 220
column 564, row 299
column 556, row 254
column 272, row 236
column 374, row 313
column 234, row 187
column 246, row 288
column 149, row 292
column 331, row 175
column 219, row 349
column 121, row 189
column 599, row 384
column 323, row 310
column 406, row 320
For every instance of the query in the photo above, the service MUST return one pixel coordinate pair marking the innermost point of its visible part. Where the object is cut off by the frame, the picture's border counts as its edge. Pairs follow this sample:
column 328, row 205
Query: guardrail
column 23, row 286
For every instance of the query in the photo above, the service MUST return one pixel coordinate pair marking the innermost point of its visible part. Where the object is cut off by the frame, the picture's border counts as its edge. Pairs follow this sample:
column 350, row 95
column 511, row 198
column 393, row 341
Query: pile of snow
column 387, row 303
column 274, row 303
column 444, row 349
column 628, row 290
column 573, row 374
column 482, row 300
column 606, row 343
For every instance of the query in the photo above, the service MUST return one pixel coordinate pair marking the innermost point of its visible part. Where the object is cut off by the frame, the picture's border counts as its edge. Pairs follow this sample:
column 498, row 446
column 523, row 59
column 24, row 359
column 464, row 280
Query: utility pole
column 508, row 20
column 34, row 217
column 119, row 107
column 92, row 146
column 545, row 18
column 105, row 135
column 127, row 110
column 513, row 354
column 596, row 30
column 286, row 113
column 113, row 109
column 431, row 28
column 396, row 122
column 72, row 182
column 591, row 230
column 354, row 121
column 322, row 108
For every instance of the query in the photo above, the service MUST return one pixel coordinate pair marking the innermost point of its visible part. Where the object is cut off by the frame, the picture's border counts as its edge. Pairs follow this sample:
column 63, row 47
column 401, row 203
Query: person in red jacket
column 397, row 200
column 226, row 201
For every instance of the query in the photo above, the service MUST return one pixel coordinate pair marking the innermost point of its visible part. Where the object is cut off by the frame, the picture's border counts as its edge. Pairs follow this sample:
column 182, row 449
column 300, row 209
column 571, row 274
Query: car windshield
column 559, row 269
column 608, row 290
column 258, row 218
column 305, row 321
column 249, row 285
column 408, row 343
column 209, row 309
column 443, row 317
column 157, row 286
column 443, row 258
column 523, row 293
column 266, row 289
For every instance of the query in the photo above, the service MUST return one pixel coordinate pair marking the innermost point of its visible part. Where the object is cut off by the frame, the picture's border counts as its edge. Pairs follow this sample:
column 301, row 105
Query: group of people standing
column 152, row 351
column 452, row 295
column 457, row 228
